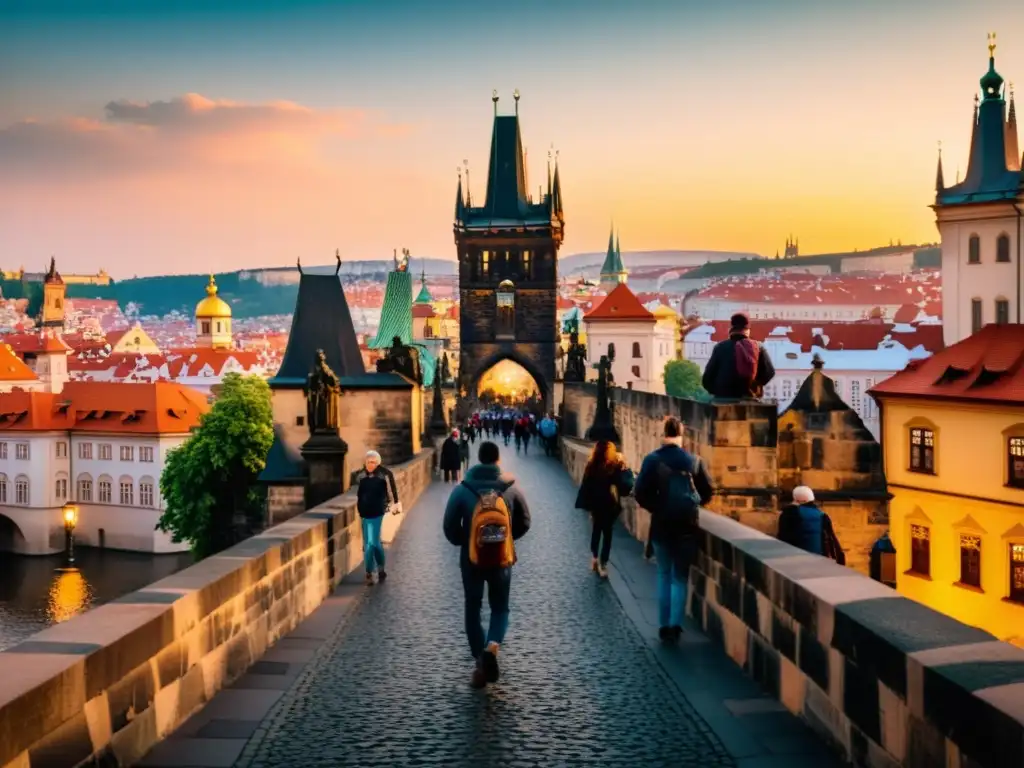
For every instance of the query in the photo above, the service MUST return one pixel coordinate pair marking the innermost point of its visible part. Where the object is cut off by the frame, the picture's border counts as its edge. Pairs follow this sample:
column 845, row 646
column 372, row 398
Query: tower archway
column 11, row 537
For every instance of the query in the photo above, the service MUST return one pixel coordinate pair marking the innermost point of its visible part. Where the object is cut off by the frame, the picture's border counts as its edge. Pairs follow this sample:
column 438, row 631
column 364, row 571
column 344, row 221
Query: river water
column 37, row 592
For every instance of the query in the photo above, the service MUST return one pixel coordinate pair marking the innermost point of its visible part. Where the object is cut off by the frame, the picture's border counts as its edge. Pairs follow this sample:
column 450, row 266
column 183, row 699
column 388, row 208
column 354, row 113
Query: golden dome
column 213, row 305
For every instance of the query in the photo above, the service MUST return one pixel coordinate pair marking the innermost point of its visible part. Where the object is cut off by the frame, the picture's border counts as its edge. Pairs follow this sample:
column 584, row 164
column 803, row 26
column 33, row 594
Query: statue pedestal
column 324, row 454
column 603, row 429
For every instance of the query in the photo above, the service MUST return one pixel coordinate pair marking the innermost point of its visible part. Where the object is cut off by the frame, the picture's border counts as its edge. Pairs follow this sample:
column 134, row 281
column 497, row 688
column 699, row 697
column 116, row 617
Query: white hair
column 803, row 495
column 373, row 456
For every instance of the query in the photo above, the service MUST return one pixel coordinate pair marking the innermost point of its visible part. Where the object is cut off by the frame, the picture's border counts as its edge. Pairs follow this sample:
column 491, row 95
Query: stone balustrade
column 105, row 686
column 885, row 680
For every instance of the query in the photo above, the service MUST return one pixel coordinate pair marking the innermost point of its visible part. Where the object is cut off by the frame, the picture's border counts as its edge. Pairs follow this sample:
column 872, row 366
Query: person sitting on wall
column 739, row 367
column 804, row 525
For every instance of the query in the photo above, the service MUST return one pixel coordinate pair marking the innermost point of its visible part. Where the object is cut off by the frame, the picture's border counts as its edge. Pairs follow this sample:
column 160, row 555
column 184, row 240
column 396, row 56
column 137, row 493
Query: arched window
column 21, row 490
column 104, row 489
column 205, row 327
column 636, row 349
column 506, row 306
column 147, row 492
column 1003, row 247
column 85, row 487
column 3, row 488
column 60, row 487
column 974, row 250
column 127, row 491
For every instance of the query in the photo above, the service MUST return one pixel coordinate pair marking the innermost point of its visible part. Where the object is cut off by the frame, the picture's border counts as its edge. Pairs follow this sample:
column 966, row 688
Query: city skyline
column 148, row 141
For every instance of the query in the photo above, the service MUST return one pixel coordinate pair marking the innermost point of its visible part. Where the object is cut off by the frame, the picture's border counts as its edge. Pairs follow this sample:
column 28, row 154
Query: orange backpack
column 490, row 532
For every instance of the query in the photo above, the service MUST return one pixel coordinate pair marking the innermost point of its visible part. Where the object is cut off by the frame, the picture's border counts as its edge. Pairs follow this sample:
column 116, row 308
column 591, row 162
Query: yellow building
column 952, row 430
column 132, row 340
column 213, row 320
column 54, row 292
column 669, row 318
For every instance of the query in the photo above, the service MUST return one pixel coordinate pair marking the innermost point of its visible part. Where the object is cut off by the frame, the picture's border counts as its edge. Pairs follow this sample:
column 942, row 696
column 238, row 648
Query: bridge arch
column 510, row 355
column 12, row 538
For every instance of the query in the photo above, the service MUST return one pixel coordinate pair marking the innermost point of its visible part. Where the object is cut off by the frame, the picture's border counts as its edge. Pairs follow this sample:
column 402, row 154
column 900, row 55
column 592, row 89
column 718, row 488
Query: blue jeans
column 373, row 549
column 498, row 582
column 674, row 561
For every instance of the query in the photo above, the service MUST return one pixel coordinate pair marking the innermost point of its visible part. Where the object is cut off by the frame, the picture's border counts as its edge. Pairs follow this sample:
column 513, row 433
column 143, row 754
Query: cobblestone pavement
column 579, row 684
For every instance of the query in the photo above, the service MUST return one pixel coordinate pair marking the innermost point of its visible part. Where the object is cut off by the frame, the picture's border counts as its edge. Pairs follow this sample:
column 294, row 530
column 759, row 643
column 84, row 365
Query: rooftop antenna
column 494, row 98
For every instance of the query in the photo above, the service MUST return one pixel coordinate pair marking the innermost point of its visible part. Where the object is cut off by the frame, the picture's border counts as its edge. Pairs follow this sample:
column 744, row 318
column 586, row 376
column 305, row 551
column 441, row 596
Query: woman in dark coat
column 451, row 458
column 606, row 480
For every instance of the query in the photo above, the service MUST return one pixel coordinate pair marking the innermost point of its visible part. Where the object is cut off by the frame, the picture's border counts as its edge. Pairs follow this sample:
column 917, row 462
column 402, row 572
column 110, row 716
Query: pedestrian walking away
column 672, row 485
column 464, row 452
column 451, row 460
column 606, row 480
column 484, row 517
column 374, row 484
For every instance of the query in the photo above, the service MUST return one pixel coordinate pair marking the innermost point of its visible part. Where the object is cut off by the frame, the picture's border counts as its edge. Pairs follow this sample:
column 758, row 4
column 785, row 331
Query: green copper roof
column 988, row 178
column 423, row 297
column 612, row 267
column 396, row 314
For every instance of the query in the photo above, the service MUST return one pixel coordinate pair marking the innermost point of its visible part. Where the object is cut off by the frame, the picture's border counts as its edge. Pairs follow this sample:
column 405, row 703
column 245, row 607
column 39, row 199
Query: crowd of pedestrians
column 486, row 512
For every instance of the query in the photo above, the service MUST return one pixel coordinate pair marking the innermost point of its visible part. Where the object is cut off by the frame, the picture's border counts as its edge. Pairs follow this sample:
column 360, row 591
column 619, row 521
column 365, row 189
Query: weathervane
column 515, row 95
column 991, row 45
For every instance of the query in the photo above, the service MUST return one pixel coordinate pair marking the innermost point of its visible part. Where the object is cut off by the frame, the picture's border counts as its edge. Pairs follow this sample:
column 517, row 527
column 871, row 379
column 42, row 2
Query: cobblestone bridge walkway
column 379, row 675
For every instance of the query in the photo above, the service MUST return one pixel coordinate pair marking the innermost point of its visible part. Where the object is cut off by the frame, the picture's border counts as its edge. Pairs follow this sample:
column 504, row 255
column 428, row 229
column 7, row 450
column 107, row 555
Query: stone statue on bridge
column 322, row 392
column 403, row 360
column 576, row 357
column 603, row 427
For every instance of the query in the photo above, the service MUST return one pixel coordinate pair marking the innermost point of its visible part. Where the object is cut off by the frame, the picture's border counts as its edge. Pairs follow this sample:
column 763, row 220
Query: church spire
column 459, row 205
column 940, row 184
column 1012, row 148
column 556, row 193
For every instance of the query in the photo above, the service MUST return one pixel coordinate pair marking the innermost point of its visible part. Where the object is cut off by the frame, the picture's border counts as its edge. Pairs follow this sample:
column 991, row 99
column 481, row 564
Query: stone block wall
column 285, row 502
column 737, row 442
column 886, row 680
column 107, row 685
column 883, row 679
column 385, row 420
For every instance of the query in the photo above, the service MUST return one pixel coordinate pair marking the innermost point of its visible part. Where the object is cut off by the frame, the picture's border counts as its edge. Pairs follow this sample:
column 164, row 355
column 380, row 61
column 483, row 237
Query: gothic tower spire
column 1012, row 148
column 939, row 181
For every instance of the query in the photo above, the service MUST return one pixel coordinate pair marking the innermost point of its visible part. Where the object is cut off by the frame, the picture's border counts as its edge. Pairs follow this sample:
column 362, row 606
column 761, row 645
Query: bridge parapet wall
column 884, row 679
column 105, row 686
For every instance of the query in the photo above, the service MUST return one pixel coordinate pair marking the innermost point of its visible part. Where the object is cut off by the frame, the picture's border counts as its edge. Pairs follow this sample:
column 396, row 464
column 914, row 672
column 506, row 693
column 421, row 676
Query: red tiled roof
column 158, row 408
column 985, row 367
column 422, row 310
column 871, row 289
column 862, row 335
column 12, row 368
column 619, row 305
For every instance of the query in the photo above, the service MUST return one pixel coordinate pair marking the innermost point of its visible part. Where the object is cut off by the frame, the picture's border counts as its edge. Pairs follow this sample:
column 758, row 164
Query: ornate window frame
column 920, row 422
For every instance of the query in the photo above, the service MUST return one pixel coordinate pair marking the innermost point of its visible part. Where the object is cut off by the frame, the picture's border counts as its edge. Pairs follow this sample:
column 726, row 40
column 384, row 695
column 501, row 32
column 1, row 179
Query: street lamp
column 69, row 513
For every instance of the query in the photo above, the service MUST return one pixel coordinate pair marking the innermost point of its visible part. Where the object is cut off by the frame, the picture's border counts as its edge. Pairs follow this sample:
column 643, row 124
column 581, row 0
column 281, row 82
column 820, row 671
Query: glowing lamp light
column 70, row 515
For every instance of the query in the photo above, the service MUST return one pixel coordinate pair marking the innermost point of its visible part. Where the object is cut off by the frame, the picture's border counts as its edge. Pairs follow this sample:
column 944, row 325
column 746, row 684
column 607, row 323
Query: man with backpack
column 739, row 367
column 672, row 486
column 484, row 517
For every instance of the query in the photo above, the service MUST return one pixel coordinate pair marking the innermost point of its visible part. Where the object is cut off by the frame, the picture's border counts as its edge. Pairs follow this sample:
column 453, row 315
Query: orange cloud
column 185, row 131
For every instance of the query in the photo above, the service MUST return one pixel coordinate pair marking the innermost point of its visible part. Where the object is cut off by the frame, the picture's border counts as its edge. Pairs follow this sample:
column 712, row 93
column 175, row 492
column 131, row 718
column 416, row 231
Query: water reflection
column 70, row 594
column 37, row 592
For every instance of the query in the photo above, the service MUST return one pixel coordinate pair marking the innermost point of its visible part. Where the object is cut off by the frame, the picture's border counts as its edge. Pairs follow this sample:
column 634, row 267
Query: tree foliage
column 209, row 481
column 682, row 379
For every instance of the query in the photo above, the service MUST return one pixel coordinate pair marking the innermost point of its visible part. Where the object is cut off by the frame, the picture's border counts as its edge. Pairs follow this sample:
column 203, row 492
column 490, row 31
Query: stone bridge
column 274, row 654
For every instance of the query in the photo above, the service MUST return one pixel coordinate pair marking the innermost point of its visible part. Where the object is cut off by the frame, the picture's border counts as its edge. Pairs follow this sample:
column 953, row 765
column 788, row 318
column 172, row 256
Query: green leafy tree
column 682, row 379
column 209, row 482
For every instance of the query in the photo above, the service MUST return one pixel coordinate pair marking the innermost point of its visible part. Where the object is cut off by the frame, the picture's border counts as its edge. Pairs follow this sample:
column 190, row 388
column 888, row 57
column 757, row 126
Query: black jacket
column 458, row 515
column 807, row 527
column 450, row 458
column 648, row 489
column 720, row 376
column 596, row 494
column 372, row 493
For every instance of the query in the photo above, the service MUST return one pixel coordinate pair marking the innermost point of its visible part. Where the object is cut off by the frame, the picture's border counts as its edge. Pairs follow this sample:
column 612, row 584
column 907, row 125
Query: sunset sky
column 242, row 134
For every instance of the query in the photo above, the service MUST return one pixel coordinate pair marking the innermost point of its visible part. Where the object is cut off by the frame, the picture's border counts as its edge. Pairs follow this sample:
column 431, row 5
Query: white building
column 857, row 356
column 100, row 445
column 980, row 221
column 642, row 345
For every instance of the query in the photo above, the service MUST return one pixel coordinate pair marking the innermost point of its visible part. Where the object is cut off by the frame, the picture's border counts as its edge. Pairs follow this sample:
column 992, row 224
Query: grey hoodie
column 462, row 502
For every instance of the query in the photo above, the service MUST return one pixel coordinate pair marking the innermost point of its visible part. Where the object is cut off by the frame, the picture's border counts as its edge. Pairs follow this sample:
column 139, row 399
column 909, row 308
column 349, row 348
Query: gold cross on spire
column 991, row 44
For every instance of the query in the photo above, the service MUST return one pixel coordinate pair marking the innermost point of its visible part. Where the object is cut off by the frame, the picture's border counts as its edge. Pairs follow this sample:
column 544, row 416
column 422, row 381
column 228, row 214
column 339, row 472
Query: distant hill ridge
column 273, row 290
